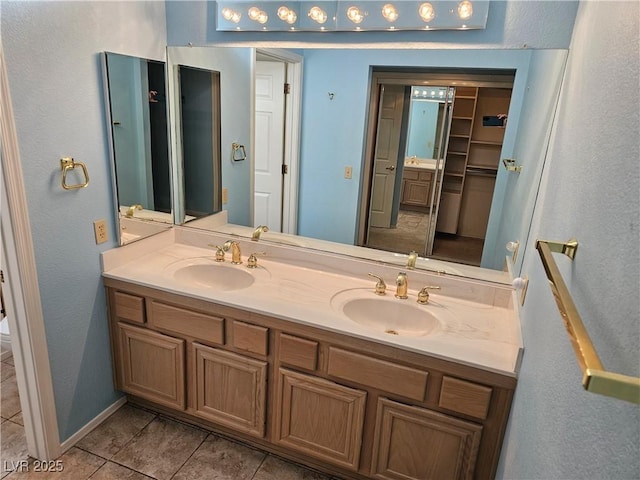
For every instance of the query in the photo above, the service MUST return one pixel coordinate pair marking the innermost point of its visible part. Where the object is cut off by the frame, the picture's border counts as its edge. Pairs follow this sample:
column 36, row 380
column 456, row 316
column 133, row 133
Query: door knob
column 391, row 168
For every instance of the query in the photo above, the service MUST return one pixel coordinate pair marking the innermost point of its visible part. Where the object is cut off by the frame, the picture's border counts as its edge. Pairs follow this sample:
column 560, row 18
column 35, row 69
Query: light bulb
column 318, row 15
column 235, row 18
column 355, row 15
column 287, row 15
column 389, row 12
column 230, row 14
column 426, row 12
column 254, row 13
column 262, row 17
column 465, row 9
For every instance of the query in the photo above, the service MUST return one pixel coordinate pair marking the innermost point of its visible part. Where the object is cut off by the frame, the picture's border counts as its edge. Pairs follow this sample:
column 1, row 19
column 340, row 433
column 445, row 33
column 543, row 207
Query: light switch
column 348, row 172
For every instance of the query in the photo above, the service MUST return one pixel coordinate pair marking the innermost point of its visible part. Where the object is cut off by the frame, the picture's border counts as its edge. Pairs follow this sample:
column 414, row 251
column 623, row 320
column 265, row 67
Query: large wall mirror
column 138, row 130
column 485, row 106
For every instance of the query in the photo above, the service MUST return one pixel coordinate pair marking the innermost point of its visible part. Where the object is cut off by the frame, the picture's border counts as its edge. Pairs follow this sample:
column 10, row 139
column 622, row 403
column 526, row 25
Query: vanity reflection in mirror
column 137, row 117
column 337, row 138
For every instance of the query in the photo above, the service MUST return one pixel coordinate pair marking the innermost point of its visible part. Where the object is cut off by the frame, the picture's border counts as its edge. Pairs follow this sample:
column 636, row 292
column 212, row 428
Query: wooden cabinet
column 416, row 187
column 346, row 405
column 416, row 443
column 230, row 389
column 152, row 365
column 320, row 418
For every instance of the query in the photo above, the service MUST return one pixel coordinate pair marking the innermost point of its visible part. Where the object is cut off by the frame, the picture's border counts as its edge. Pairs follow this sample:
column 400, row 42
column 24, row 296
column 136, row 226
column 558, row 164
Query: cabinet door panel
column 320, row 418
column 152, row 365
column 415, row 443
column 230, row 389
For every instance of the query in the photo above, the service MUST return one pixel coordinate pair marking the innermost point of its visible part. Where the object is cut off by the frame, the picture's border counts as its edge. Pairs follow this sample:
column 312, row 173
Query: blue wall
column 333, row 131
column 52, row 50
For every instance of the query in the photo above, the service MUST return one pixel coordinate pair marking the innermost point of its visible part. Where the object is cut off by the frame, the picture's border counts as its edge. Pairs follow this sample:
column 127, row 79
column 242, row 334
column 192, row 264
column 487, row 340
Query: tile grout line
column 189, row 457
column 259, row 466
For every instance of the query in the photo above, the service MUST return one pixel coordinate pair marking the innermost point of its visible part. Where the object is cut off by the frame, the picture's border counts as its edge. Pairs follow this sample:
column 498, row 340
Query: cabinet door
column 152, row 365
column 416, row 193
column 415, row 443
column 320, row 418
column 230, row 389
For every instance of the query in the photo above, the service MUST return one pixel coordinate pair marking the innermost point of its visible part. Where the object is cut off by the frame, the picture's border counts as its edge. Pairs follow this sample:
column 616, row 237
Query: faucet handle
column 381, row 287
column 423, row 295
column 252, row 261
column 219, row 252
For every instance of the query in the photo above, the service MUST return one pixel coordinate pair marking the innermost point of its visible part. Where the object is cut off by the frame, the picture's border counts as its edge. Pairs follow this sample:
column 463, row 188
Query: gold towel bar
column 68, row 164
column 595, row 378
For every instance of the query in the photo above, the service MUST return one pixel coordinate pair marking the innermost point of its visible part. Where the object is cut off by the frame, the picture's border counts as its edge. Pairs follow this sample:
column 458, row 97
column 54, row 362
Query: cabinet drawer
column 425, row 176
column 298, row 352
column 410, row 174
column 129, row 307
column 197, row 325
column 380, row 374
column 465, row 397
column 251, row 338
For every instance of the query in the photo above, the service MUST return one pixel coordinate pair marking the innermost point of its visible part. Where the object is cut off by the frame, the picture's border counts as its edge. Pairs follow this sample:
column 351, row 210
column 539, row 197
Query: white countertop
column 478, row 323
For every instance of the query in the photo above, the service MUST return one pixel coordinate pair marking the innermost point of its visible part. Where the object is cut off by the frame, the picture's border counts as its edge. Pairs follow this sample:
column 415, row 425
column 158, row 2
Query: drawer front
column 251, row 338
column 410, row 174
column 129, row 307
column 465, row 397
column 298, row 352
column 198, row 325
column 425, row 176
column 380, row 374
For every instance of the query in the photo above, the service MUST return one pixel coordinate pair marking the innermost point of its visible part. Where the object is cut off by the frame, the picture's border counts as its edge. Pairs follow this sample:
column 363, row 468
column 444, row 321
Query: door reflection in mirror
column 201, row 151
column 434, row 168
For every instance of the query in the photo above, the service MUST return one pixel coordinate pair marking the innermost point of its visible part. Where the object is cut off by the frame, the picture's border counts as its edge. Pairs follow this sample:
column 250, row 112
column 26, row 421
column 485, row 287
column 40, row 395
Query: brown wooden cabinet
column 151, row 365
column 416, row 443
column 346, row 405
column 416, row 188
column 320, row 418
column 230, row 389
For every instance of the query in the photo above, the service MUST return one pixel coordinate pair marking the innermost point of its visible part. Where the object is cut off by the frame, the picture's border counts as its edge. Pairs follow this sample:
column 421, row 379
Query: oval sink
column 389, row 314
column 220, row 277
column 394, row 318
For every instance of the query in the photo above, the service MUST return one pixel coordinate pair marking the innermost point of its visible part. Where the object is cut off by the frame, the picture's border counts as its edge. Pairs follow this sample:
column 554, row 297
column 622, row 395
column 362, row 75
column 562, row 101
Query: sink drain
column 391, row 332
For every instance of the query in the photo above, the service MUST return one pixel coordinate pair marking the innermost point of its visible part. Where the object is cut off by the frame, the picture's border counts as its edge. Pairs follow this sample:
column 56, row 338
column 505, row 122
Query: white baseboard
column 84, row 431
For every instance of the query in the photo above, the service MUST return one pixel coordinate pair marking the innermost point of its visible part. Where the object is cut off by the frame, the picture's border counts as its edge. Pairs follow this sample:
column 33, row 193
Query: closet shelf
column 486, row 142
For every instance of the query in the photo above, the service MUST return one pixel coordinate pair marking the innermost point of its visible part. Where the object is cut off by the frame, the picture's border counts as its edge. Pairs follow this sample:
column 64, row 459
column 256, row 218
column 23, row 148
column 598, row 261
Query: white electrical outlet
column 100, row 229
column 348, row 172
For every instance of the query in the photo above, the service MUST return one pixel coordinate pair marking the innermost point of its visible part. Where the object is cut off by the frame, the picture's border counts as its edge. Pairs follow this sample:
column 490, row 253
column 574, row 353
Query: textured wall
column 591, row 191
column 52, row 52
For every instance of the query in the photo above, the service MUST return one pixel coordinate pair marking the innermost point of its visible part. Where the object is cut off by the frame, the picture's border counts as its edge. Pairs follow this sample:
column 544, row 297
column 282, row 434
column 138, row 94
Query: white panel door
column 386, row 155
column 269, row 121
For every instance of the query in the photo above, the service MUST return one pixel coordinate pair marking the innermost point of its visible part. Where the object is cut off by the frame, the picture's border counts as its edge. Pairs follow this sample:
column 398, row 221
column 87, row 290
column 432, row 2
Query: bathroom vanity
column 294, row 357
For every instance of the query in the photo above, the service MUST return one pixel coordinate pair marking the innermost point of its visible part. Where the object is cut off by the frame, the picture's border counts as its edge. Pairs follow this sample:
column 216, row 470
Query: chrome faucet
column 402, row 285
column 235, row 251
column 256, row 233
column 411, row 262
column 131, row 210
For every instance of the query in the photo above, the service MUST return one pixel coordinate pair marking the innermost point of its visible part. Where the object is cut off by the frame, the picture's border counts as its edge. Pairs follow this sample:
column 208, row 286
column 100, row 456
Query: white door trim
column 28, row 339
column 293, row 115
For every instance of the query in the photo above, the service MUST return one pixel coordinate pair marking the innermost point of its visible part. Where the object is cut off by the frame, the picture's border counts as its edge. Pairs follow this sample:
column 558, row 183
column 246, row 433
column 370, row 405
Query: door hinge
column 287, row 88
column 1, row 276
column 285, row 169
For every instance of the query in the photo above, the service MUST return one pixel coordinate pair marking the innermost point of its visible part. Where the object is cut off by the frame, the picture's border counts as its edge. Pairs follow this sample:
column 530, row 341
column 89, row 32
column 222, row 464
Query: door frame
column 411, row 76
column 22, row 294
column 292, row 129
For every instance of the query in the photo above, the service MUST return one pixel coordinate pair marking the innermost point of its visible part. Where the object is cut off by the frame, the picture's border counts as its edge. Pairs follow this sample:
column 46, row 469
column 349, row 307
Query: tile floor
column 137, row 444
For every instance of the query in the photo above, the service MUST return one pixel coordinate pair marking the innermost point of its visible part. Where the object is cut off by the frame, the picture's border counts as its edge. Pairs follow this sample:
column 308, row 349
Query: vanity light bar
column 351, row 15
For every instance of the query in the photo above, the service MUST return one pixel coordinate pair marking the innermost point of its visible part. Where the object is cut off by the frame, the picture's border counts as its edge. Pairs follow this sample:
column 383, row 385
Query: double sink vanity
column 299, row 353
